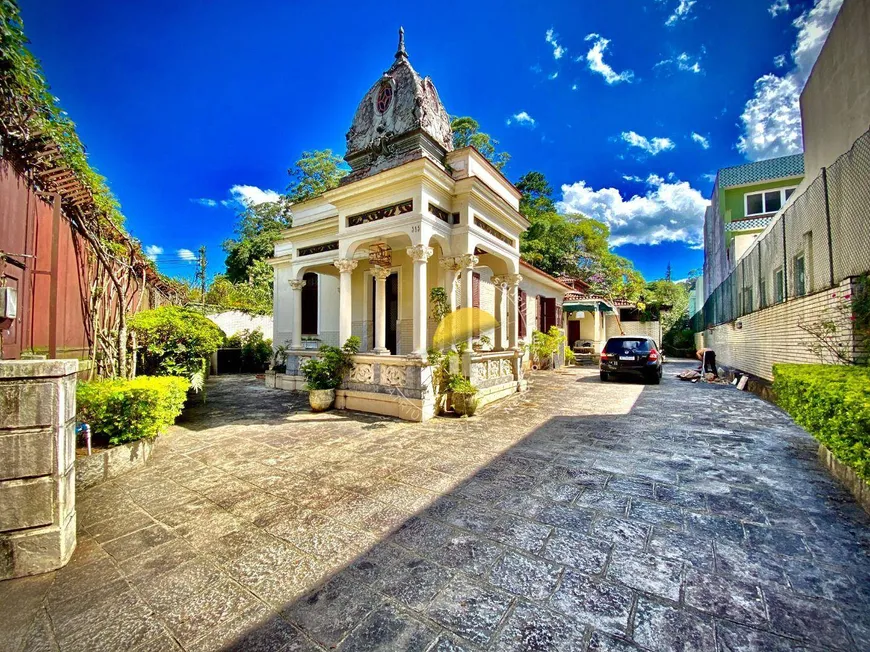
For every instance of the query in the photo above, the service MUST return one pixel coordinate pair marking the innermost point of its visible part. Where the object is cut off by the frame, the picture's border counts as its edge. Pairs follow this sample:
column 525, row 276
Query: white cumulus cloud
column 522, row 118
column 779, row 61
column 205, row 201
column 771, row 118
column 595, row 61
column 778, row 7
column 252, row 195
column 667, row 212
column 703, row 142
column 152, row 251
column 681, row 12
column 186, row 254
column 558, row 50
column 651, row 146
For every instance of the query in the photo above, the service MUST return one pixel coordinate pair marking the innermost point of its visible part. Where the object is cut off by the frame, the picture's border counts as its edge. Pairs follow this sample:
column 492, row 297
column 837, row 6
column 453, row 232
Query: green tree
column 466, row 132
column 314, row 174
column 571, row 245
column 258, row 227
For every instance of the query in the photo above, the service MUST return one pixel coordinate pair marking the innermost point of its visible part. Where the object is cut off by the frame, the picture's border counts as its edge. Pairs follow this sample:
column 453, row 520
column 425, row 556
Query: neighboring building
column 696, row 294
column 789, row 298
column 835, row 103
column 413, row 214
column 745, row 199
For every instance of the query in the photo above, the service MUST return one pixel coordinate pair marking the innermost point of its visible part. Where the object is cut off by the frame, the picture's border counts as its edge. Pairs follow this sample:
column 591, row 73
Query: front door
column 392, row 317
column 573, row 331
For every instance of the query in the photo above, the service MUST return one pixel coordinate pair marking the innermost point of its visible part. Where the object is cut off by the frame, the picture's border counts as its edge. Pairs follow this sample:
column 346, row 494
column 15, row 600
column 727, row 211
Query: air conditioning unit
column 8, row 303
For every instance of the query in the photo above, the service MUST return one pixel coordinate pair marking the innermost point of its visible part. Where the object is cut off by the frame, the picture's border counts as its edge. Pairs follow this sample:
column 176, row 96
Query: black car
column 631, row 354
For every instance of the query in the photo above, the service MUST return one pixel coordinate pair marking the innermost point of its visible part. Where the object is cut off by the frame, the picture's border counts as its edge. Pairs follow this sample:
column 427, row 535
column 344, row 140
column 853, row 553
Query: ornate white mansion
column 414, row 213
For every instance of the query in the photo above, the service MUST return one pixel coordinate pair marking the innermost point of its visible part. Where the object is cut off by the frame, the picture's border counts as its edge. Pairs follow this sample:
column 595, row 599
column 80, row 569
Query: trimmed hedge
column 119, row 411
column 833, row 403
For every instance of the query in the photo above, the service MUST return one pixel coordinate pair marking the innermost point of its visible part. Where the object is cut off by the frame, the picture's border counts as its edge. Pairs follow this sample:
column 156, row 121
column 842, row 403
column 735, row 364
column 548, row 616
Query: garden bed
column 107, row 463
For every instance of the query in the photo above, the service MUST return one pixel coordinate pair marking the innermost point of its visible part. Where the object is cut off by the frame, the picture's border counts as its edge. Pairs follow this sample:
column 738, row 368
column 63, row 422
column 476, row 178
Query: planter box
column 856, row 486
column 104, row 465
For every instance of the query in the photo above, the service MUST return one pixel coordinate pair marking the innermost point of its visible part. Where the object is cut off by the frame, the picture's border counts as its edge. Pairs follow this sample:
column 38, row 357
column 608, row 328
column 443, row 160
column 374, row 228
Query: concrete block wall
column 773, row 335
column 37, row 465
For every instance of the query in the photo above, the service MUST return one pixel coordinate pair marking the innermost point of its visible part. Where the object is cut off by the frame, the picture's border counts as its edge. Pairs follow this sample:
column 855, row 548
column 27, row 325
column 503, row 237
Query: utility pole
column 200, row 275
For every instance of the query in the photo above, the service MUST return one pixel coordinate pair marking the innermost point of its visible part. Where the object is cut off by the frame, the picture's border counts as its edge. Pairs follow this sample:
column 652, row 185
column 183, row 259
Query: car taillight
column 653, row 355
column 603, row 356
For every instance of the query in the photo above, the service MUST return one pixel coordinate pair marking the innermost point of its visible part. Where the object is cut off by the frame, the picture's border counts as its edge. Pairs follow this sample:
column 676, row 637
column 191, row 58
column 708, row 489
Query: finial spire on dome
column 401, row 51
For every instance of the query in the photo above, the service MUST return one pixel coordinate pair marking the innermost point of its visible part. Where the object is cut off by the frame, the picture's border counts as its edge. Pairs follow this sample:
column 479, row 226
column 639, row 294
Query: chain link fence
column 821, row 238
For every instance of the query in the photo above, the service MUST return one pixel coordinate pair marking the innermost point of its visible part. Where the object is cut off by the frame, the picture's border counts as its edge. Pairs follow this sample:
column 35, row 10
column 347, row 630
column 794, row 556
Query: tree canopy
column 466, row 132
column 571, row 245
column 313, row 174
column 258, row 227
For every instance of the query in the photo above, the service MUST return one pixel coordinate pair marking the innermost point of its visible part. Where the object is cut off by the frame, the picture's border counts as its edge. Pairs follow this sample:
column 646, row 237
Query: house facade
column 745, row 199
column 413, row 214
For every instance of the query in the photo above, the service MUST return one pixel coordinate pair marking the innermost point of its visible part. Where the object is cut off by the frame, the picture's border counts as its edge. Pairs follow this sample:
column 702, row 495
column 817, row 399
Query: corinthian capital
column 468, row 260
column 297, row 285
column 345, row 265
column 513, row 280
column 419, row 253
column 380, row 272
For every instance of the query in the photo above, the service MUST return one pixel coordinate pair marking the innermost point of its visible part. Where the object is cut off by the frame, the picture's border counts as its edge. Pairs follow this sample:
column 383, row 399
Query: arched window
column 309, row 304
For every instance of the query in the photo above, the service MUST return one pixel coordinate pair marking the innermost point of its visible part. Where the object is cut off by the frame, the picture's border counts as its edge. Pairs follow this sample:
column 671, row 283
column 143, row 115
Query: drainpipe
column 54, row 282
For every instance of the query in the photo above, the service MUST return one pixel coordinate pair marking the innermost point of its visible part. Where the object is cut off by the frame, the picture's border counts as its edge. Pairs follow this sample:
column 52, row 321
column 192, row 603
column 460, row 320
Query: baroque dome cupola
column 399, row 119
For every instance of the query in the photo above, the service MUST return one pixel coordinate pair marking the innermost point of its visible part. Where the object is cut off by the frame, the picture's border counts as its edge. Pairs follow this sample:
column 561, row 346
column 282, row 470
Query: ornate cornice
column 419, row 253
column 345, row 265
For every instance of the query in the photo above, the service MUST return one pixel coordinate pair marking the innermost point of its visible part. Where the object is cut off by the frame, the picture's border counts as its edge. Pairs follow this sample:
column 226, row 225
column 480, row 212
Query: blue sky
column 627, row 106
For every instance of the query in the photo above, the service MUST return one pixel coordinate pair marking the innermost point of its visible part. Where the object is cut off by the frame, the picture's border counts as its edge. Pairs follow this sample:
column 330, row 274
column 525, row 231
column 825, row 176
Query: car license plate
column 626, row 357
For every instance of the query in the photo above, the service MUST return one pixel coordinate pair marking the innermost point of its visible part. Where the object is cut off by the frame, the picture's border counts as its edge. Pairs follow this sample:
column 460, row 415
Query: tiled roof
column 761, row 171
column 582, row 296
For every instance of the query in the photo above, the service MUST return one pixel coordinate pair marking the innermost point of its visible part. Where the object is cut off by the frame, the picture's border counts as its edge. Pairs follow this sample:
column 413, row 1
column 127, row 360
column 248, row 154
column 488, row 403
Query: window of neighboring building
column 762, row 293
column 800, row 276
column 769, row 201
column 309, row 304
column 747, row 301
column 778, row 286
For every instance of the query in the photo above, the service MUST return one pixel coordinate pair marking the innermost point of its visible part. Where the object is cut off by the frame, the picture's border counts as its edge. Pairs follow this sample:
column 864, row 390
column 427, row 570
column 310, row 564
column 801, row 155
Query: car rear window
column 627, row 346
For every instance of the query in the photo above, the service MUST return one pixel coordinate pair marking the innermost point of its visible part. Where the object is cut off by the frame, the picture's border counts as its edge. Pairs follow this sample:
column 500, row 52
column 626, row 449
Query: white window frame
column 764, row 211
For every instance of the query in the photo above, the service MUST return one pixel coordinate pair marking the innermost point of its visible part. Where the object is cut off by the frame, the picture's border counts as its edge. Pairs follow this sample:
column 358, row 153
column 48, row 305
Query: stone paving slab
column 578, row 516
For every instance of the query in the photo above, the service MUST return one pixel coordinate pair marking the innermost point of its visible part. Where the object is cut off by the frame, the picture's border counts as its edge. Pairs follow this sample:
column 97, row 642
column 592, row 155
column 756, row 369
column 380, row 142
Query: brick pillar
column 37, row 465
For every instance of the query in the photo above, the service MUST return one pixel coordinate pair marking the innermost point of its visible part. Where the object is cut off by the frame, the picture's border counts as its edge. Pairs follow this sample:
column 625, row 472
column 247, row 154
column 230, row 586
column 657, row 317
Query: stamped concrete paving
column 579, row 516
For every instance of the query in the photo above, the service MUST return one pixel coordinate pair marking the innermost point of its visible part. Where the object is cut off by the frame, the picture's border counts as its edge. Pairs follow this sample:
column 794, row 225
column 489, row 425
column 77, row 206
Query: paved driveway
column 578, row 516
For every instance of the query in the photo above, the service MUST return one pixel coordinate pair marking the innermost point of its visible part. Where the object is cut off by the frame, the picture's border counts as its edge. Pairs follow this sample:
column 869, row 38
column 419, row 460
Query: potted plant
column 463, row 395
column 324, row 374
column 482, row 343
column 310, row 343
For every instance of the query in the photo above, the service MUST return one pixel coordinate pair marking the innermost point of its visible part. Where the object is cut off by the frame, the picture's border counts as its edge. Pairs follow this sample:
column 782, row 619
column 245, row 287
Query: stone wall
column 37, row 465
column 757, row 341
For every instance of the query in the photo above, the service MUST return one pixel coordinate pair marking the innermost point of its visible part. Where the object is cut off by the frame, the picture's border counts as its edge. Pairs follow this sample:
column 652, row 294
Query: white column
column 345, row 306
column 451, row 270
column 467, row 262
column 512, row 282
column 420, row 315
column 380, row 316
column 596, row 329
column 500, row 288
column 296, row 336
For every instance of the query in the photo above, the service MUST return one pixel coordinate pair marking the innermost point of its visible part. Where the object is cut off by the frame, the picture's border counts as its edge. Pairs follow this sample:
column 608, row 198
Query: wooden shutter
column 521, row 309
column 549, row 313
column 539, row 321
column 475, row 303
column 309, row 304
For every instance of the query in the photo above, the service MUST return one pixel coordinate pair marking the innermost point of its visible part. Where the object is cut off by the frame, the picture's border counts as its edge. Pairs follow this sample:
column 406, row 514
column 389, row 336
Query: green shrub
column 175, row 341
column 327, row 371
column 256, row 351
column 119, row 411
column 833, row 403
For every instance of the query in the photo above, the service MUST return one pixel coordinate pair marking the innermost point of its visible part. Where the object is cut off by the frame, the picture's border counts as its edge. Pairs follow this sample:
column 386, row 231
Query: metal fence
column 822, row 238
